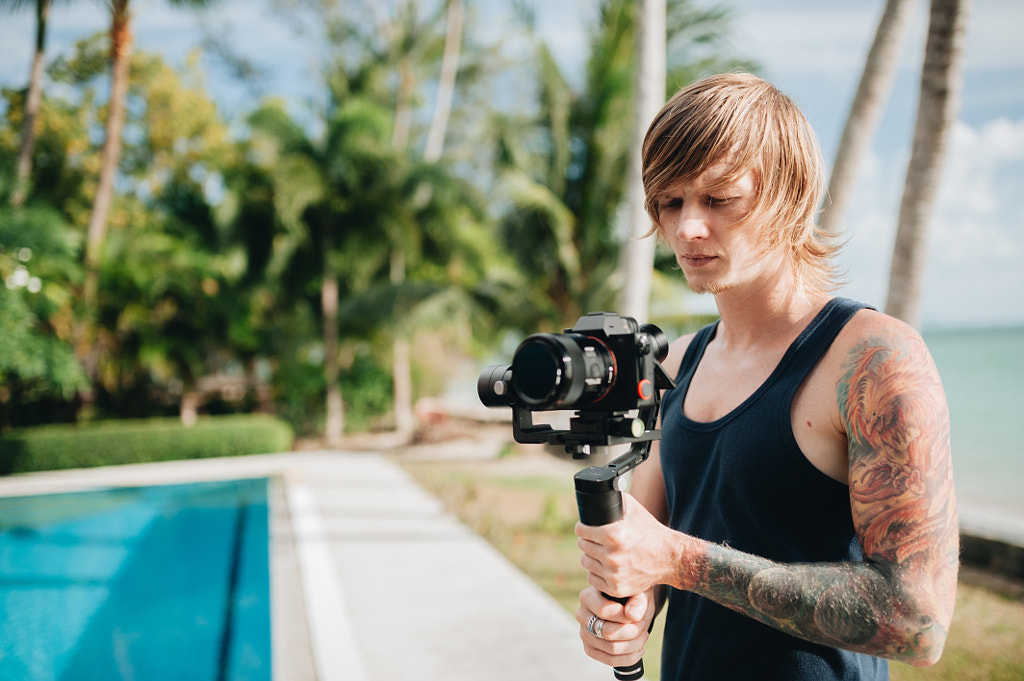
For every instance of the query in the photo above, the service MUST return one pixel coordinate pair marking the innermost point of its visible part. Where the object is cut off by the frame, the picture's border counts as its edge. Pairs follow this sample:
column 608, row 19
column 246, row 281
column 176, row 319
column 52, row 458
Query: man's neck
column 765, row 315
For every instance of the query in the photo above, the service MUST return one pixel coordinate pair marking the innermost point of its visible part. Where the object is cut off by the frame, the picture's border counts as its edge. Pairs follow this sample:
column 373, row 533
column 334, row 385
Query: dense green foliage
column 257, row 264
column 111, row 442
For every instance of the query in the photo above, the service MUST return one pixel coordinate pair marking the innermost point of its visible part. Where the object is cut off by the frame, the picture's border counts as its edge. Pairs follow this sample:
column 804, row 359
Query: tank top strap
column 694, row 353
column 812, row 343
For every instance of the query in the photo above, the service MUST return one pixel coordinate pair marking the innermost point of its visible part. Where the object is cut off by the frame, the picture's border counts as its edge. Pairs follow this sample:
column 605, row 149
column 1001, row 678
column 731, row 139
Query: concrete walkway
column 371, row 579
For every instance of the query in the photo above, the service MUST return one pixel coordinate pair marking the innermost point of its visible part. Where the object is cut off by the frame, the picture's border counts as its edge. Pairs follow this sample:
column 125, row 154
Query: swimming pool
column 146, row 583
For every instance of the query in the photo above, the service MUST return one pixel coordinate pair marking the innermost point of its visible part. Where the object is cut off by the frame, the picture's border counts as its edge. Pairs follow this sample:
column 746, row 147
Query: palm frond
column 530, row 196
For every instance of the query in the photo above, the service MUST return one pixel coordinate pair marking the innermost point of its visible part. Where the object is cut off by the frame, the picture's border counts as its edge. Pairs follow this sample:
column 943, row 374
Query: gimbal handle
column 599, row 501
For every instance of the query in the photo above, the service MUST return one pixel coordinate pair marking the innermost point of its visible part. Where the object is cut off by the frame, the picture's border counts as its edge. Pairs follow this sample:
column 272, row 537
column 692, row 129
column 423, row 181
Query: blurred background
column 332, row 212
column 247, row 226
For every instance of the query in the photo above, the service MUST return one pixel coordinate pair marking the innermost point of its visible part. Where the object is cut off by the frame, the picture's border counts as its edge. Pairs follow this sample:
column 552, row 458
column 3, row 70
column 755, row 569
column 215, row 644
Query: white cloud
column 976, row 241
column 983, row 174
column 993, row 35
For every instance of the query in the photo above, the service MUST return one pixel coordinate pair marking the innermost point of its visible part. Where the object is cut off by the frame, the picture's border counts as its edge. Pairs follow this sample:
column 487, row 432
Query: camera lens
column 493, row 386
column 562, row 371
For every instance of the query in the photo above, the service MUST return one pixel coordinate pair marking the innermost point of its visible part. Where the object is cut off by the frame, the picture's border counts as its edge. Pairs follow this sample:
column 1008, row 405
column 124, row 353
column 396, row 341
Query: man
column 798, row 514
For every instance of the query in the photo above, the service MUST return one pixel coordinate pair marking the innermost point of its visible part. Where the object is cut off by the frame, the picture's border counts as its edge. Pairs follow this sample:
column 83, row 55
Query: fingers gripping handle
column 599, row 500
column 634, row 671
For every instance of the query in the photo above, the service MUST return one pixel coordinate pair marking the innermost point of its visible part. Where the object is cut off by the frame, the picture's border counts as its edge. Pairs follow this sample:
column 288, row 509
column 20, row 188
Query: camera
column 603, row 368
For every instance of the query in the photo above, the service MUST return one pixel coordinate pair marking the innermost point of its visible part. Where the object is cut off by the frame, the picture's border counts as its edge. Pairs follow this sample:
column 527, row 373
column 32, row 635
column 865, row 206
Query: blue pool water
column 146, row 583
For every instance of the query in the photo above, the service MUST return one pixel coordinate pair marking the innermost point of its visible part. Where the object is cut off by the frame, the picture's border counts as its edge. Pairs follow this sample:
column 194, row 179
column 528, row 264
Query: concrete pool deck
column 371, row 579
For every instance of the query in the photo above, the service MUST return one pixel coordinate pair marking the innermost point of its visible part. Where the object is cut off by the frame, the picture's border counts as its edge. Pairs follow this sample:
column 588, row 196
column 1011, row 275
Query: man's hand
column 623, row 629
column 631, row 555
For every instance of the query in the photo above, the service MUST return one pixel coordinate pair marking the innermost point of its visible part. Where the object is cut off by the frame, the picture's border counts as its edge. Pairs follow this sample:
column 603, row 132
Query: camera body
column 603, row 367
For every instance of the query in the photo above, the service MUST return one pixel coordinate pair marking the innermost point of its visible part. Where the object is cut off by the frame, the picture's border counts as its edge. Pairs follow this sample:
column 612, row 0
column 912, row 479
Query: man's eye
column 671, row 204
column 717, row 202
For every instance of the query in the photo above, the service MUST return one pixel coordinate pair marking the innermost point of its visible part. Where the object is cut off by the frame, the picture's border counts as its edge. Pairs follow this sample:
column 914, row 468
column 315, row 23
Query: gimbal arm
column 599, row 501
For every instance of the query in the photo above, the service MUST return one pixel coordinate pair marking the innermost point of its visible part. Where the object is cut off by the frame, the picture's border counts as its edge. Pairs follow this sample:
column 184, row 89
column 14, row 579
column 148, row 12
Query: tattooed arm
column 898, row 602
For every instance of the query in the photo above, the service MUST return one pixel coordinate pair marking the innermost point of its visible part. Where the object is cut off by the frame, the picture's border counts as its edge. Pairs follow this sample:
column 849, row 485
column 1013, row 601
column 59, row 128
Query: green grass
column 530, row 519
column 986, row 641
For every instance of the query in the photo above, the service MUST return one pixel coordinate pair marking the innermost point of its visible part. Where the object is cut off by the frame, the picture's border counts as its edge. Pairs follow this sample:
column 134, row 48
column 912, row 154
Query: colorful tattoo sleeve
column 898, row 602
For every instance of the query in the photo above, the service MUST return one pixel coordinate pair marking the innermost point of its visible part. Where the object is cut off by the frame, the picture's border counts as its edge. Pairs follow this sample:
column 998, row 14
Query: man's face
column 702, row 221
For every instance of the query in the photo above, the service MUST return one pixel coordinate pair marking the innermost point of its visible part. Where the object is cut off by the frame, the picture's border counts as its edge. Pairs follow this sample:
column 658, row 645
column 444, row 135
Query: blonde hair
column 745, row 121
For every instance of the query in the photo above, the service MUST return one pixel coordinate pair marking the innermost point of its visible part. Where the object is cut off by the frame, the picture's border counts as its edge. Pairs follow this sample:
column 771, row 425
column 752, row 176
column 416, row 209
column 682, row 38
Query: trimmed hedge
column 110, row 443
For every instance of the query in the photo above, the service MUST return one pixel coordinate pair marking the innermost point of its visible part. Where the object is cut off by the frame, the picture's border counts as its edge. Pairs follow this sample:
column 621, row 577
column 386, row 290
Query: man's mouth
column 696, row 259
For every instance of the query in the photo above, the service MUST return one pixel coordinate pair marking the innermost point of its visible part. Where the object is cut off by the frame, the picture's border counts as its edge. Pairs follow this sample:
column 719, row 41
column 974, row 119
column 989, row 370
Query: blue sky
column 812, row 50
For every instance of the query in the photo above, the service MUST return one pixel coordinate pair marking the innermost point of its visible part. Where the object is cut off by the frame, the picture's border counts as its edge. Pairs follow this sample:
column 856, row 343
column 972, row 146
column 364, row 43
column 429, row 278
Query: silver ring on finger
column 590, row 624
column 598, row 628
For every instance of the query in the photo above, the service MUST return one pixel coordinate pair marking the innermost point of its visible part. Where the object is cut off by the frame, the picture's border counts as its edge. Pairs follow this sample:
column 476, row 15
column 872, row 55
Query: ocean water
column 982, row 374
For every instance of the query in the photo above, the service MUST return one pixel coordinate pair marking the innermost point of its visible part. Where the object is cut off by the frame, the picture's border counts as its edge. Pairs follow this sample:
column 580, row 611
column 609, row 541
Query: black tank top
column 742, row 480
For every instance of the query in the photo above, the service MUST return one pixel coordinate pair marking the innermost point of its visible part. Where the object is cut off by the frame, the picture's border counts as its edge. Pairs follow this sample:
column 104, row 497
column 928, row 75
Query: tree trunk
column 335, row 426
column 403, row 105
column 937, row 108
column 637, row 256
column 446, row 83
column 32, row 103
column 120, row 52
column 405, row 417
column 401, row 374
column 85, row 331
column 401, row 365
column 865, row 111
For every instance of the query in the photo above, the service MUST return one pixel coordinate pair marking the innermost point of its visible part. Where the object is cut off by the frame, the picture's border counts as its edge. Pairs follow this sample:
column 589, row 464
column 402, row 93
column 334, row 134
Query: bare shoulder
column 868, row 323
column 878, row 352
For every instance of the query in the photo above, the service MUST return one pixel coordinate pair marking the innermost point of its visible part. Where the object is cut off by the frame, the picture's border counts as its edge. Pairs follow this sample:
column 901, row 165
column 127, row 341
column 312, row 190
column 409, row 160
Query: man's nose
column 691, row 222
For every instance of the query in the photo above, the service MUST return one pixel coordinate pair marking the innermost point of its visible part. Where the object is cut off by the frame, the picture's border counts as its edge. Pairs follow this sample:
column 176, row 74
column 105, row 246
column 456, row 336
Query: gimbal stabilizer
column 598, row 488
column 605, row 367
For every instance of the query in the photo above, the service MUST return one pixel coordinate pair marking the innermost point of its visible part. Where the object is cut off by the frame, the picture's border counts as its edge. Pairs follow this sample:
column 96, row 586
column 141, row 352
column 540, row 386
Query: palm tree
column 300, row 176
column 411, row 43
column 120, row 53
column 865, row 111
column 384, row 62
column 32, row 100
column 445, row 83
column 938, row 103
column 408, row 43
column 405, row 418
column 637, row 258
column 342, row 201
column 562, row 173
